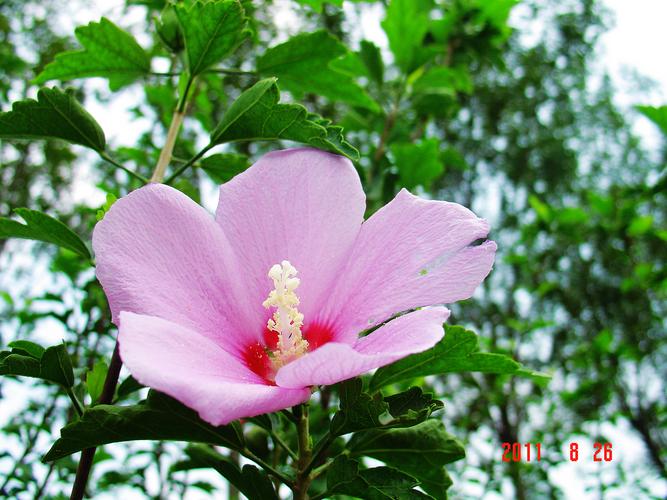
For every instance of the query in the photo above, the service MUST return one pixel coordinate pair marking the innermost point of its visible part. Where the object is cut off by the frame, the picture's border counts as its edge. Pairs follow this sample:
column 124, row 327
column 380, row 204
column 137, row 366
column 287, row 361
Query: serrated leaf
column 55, row 114
column 42, row 227
column 303, row 65
column 95, row 380
column 250, row 481
column 657, row 114
column 421, row 451
column 257, row 115
column 457, row 352
column 159, row 417
column 108, row 52
column 405, row 25
column 358, row 410
column 56, row 366
column 419, row 163
column 378, row 483
column 224, row 166
column 211, row 30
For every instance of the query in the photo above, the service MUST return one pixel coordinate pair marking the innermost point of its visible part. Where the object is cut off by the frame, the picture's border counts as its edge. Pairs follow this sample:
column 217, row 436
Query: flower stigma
column 287, row 320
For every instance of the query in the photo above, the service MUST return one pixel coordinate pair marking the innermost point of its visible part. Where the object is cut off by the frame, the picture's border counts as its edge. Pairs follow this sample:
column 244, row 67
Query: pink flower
column 240, row 315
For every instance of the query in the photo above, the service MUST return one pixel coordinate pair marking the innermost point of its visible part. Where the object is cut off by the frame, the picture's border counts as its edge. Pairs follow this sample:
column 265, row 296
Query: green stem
column 321, row 447
column 108, row 159
column 305, row 453
column 267, row 467
column 279, row 441
column 289, row 416
column 226, row 71
column 319, row 470
column 187, row 165
column 75, row 401
column 172, row 134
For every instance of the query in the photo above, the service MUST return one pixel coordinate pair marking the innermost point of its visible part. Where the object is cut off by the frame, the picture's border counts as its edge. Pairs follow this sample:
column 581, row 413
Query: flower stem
column 305, row 453
column 167, row 150
column 86, row 460
column 172, row 134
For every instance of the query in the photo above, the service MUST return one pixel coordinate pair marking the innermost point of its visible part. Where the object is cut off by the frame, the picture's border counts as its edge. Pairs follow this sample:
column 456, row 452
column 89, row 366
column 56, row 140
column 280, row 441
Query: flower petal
column 197, row 372
column 408, row 334
column 159, row 253
column 411, row 253
column 302, row 205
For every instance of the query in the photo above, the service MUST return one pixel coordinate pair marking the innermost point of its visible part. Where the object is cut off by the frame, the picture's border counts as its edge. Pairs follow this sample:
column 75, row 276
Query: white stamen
column 287, row 320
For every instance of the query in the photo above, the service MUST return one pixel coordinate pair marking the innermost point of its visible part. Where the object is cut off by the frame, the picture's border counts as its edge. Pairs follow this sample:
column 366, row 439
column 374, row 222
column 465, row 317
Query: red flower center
column 257, row 356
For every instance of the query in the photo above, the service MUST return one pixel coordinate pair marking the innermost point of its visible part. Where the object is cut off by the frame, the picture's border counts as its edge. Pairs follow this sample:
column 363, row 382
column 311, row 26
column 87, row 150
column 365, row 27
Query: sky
column 635, row 43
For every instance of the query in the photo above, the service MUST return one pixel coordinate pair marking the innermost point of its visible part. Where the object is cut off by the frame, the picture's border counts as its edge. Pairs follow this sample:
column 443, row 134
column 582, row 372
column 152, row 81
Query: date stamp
column 532, row 452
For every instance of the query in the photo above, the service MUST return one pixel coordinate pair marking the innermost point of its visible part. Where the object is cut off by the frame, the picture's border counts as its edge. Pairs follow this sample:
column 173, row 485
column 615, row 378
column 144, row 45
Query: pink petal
column 303, row 205
column 196, row 371
column 411, row 253
column 159, row 253
column 333, row 362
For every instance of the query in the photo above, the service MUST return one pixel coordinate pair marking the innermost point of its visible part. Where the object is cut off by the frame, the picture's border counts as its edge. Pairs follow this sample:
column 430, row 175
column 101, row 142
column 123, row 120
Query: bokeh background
column 534, row 124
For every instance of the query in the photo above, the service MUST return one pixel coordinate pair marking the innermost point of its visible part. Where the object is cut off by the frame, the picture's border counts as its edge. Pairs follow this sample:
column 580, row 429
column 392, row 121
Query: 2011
column 513, row 452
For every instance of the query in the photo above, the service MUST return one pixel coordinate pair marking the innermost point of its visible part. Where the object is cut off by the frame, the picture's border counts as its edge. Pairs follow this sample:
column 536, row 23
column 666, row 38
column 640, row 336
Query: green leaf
column 256, row 115
column 42, row 227
column 211, row 31
column 456, row 352
column 358, row 410
column 19, row 365
column 372, row 58
column 223, row 167
column 56, row 366
column 412, row 407
column 317, row 5
column 640, row 225
column 303, row 66
column 419, row 163
column 250, row 480
column 54, row 114
column 27, row 348
column 31, row 360
column 159, row 417
column 571, row 216
column 657, row 115
column 442, row 80
column 128, row 386
column 406, row 24
column 108, row 52
column 378, row 483
column 95, row 380
column 421, row 451
column 542, row 210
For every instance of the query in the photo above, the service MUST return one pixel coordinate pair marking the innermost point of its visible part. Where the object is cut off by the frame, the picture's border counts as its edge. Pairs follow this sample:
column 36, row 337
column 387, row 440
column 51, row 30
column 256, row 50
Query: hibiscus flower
column 242, row 314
